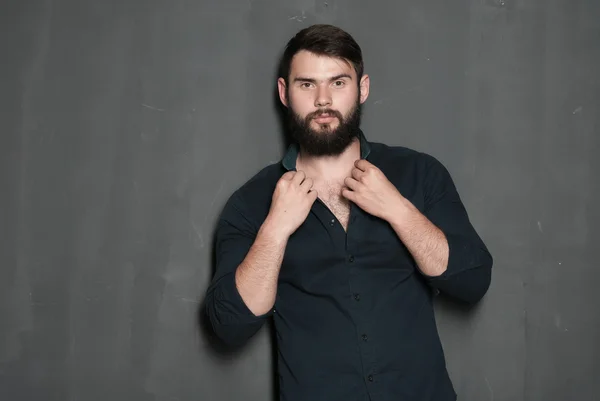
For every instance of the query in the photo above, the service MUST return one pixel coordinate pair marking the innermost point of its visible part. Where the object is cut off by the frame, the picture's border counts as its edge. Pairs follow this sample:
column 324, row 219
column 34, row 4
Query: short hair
column 323, row 40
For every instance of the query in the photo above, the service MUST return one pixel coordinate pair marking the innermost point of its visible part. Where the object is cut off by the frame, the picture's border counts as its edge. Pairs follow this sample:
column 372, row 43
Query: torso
column 330, row 188
column 331, row 195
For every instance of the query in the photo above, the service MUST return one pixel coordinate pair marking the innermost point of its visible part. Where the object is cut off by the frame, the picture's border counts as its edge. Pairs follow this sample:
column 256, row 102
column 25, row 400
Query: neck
column 330, row 167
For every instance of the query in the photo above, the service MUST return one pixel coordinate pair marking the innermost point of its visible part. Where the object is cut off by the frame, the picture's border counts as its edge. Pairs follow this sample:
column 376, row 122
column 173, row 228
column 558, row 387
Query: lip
column 324, row 119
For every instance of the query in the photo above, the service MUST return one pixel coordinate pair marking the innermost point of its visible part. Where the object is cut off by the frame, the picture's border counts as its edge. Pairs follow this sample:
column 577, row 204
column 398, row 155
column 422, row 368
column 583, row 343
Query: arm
column 256, row 277
column 444, row 244
column 426, row 243
column 242, row 293
column 442, row 241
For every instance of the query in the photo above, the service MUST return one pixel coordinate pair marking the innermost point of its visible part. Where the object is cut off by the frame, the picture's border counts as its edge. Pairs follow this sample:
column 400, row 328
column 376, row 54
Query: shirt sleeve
column 231, row 319
column 468, row 274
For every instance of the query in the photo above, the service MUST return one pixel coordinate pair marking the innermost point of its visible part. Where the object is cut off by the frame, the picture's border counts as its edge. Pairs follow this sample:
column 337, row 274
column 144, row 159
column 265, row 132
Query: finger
column 362, row 164
column 298, row 178
column 357, row 174
column 351, row 183
column 313, row 194
column 288, row 175
column 348, row 194
column 307, row 184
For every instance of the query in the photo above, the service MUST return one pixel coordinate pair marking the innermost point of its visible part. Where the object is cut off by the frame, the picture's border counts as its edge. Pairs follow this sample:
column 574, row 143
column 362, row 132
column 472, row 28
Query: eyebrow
column 311, row 80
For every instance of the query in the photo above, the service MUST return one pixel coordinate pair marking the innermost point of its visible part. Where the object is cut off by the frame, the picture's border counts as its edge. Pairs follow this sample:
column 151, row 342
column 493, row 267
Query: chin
column 332, row 127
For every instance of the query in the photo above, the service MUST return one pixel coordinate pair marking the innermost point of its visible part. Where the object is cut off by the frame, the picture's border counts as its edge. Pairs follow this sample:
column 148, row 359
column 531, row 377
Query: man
column 344, row 244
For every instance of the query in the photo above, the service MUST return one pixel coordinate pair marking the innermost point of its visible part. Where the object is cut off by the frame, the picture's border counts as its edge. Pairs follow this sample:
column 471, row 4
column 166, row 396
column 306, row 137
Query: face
column 324, row 101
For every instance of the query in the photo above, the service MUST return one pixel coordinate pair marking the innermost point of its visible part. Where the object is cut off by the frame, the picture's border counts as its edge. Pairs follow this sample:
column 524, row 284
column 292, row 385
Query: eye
column 338, row 84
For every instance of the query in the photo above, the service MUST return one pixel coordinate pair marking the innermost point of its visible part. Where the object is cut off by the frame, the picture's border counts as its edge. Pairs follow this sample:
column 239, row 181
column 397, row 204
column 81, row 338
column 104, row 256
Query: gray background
column 125, row 125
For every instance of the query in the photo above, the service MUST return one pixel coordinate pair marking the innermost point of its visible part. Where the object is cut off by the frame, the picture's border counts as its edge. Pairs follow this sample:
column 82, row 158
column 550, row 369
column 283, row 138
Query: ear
column 281, row 87
column 364, row 88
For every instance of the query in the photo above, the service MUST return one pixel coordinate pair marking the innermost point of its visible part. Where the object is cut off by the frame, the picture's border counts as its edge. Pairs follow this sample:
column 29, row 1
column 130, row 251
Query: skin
column 318, row 82
column 369, row 188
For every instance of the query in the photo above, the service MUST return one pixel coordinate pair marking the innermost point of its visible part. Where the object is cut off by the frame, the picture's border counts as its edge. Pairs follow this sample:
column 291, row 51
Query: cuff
column 461, row 257
column 233, row 307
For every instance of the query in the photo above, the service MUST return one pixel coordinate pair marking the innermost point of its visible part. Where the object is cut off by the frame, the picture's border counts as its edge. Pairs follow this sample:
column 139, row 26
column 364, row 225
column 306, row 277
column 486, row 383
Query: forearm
column 256, row 277
column 442, row 240
column 458, row 265
column 426, row 243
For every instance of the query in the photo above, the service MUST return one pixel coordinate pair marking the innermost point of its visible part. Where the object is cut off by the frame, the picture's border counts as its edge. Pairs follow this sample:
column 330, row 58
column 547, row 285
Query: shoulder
column 390, row 158
column 252, row 200
column 262, row 181
column 416, row 172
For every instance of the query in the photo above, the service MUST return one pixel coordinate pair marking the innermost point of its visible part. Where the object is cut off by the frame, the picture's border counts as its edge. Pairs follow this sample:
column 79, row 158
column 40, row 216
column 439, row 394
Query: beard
column 325, row 141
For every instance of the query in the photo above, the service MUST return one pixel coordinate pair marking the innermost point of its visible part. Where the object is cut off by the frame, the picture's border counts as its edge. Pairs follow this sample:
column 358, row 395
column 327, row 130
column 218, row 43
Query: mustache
column 330, row 112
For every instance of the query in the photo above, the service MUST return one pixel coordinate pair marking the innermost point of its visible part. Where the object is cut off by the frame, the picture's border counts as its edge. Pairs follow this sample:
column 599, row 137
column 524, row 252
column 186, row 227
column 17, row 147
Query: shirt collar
column 291, row 155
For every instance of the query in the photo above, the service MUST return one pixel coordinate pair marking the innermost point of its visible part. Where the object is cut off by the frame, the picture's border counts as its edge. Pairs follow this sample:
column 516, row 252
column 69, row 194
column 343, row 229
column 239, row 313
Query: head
column 323, row 86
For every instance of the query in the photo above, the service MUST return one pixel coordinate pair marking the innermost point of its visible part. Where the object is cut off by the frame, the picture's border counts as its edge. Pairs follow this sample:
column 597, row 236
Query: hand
column 370, row 189
column 291, row 202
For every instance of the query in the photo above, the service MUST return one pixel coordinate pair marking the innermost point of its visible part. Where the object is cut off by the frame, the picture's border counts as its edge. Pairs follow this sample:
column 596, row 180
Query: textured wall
column 125, row 125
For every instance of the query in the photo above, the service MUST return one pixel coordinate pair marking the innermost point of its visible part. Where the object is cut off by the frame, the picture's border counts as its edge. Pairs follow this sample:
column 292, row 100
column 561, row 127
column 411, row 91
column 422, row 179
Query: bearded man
column 344, row 244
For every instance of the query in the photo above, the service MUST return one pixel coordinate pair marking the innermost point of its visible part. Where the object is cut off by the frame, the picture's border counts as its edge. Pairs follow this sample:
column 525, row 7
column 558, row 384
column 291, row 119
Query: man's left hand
column 370, row 189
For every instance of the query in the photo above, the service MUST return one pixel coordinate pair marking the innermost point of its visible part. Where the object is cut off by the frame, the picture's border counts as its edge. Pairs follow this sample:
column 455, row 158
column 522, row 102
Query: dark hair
column 323, row 40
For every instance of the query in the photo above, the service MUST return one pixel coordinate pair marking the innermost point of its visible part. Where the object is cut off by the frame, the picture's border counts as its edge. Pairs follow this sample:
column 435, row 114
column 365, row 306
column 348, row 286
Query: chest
column 322, row 259
column 331, row 195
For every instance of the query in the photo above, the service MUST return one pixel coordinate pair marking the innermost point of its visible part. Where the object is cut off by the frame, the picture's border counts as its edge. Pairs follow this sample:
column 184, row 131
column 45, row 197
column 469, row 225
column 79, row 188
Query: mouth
column 324, row 118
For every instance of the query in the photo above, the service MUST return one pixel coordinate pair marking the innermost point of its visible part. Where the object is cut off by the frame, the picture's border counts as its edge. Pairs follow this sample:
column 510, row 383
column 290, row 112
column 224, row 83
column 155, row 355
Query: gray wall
column 125, row 125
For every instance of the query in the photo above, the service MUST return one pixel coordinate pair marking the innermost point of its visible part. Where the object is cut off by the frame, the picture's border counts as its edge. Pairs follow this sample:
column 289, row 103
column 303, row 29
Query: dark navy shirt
column 353, row 315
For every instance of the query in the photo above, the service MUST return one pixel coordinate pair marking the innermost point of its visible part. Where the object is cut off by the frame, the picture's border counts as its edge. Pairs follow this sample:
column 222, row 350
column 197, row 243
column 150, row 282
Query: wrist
column 400, row 211
column 273, row 231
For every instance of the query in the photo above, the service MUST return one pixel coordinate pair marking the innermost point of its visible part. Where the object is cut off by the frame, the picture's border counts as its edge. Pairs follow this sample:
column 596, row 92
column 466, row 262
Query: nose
column 323, row 98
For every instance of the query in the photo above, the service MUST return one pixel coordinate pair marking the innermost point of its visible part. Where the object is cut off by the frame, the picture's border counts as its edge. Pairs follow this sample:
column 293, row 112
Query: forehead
column 307, row 64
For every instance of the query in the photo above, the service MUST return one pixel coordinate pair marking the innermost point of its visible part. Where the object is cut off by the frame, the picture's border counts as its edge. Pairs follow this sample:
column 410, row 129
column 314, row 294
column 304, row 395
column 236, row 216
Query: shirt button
column 364, row 337
column 350, row 258
column 332, row 222
column 357, row 297
column 370, row 378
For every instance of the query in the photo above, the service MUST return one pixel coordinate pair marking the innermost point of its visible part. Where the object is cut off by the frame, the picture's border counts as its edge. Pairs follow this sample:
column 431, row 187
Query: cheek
column 301, row 104
column 345, row 102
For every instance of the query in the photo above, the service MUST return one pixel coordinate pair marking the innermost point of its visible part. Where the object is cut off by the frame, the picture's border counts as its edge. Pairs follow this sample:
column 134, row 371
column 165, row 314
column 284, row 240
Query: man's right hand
column 291, row 202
